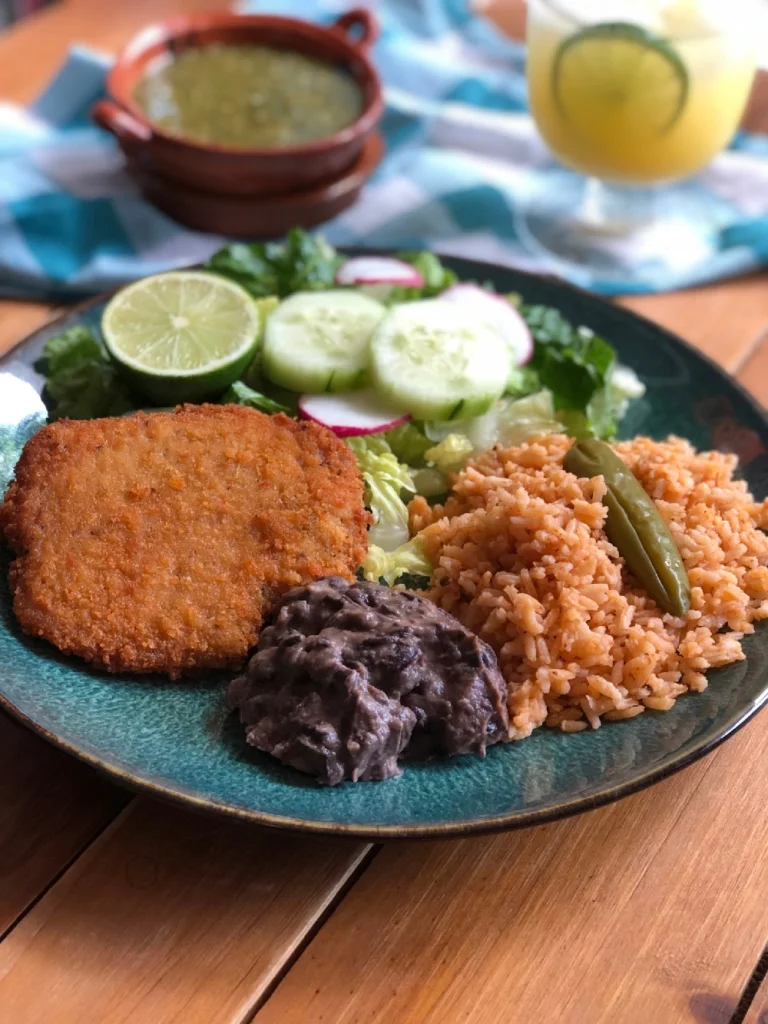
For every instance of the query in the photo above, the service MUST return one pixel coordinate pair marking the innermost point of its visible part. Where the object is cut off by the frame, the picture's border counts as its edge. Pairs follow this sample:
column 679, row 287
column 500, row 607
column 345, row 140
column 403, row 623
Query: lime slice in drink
column 619, row 77
column 181, row 336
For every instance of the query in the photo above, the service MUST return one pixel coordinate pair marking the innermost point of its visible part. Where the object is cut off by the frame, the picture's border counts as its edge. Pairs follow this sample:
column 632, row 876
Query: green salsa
column 249, row 96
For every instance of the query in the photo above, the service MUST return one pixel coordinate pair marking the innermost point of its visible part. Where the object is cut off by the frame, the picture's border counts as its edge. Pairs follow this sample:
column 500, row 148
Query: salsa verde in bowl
column 241, row 130
column 244, row 96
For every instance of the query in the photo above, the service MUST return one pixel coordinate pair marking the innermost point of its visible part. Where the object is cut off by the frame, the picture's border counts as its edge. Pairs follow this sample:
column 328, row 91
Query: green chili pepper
column 634, row 526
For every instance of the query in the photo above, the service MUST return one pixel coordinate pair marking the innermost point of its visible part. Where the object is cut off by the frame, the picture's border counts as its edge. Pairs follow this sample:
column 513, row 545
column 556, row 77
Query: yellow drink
column 643, row 100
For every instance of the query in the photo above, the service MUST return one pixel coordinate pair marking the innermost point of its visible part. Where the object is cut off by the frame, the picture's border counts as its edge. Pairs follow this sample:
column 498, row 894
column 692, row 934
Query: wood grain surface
column 587, row 920
column 727, row 321
column 32, row 48
column 18, row 319
column 654, row 910
column 51, row 806
column 170, row 916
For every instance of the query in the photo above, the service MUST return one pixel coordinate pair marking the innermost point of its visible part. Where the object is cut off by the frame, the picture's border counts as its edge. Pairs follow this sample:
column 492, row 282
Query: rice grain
column 521, row 557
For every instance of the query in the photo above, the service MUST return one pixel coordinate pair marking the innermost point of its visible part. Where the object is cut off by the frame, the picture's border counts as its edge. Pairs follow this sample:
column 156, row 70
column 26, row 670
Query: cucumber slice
column 319, row 341
column 438, row 361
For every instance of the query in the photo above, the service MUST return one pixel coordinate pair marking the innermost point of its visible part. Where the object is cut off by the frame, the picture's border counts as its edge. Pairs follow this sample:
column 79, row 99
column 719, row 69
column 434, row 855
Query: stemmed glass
column 634, row 95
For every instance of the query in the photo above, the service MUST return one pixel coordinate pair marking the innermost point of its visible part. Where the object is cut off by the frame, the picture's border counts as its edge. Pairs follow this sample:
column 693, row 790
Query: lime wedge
column 619, row 77
column 181, row 336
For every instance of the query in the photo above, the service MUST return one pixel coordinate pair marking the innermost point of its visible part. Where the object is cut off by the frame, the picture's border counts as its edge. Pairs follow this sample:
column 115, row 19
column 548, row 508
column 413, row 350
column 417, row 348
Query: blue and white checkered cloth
column 462, row 157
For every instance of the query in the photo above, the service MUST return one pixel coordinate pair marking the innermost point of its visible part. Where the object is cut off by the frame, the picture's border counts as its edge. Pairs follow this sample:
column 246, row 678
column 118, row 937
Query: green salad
column 415, row 370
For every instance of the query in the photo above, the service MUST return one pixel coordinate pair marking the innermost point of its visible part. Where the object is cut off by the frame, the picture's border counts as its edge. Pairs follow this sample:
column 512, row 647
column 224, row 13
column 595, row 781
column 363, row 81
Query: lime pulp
column 183, row 335
column 622, row 70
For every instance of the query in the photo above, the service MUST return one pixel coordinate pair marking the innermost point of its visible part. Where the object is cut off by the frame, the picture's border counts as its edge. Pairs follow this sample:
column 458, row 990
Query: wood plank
column 18, row 319
column 170, row 916
column 174, row 862
column 32, row 48
column 152, row 925
column 666, row 885
column 51, row 806
column 652, row 909
column 509, row 15
column 756, row 115
column 724, row 320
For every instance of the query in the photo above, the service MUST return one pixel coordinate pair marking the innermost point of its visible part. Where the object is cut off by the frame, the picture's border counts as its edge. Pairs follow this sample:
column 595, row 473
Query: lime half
column 181, row 336
column 621, row 77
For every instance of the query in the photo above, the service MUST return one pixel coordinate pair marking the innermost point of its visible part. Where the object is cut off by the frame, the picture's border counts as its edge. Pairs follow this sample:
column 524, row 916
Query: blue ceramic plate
column 175, row 740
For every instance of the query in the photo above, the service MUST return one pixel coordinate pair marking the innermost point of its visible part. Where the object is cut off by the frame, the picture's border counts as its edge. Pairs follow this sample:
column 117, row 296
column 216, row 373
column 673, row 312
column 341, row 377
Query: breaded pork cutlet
column 153, row 543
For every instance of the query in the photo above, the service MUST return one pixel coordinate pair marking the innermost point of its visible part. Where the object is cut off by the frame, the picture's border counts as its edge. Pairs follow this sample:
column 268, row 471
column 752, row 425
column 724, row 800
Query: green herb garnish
column 240, row 394
column 302, row 263
column 571, row 361
column 413, row 581
column 82, row 382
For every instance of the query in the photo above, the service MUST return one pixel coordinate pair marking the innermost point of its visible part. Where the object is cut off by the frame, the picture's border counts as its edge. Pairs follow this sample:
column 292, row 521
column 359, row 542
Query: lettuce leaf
column 384, row 478
column 240, row 394
column 522, row 380
column 437, row 277
column 409, row 443
column 607, row 407
column 390, row 566
column 254, row 379
column 450, row 454
column 531, row 416
column 431, row 483
column 509, row 422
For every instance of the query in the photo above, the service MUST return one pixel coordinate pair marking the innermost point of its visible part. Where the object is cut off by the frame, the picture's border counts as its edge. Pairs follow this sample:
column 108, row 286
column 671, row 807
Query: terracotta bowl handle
column 128, row 130
column 362, row 20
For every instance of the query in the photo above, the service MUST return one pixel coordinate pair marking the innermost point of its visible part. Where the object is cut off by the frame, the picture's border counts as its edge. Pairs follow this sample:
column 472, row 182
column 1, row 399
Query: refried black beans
column 349, row 677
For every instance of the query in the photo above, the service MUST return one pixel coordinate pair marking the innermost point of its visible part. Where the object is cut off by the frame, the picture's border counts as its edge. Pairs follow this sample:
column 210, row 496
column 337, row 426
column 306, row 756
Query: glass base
column 623, row 237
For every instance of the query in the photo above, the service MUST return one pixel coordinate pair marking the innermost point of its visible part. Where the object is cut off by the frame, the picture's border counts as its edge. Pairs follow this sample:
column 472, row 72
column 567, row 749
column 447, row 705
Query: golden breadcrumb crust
column 154, row 542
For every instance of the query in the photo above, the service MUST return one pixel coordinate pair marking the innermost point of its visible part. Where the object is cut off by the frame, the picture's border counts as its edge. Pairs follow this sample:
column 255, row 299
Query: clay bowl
column 260, row 216
column 227, row 170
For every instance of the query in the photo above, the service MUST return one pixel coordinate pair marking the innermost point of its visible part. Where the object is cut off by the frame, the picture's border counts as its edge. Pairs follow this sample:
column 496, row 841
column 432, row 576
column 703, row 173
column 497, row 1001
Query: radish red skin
column 379, row 270
column 351, row 414
column 511, row 324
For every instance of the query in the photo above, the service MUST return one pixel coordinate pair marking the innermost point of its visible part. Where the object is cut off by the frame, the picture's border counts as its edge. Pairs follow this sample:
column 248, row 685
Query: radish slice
column 351, row 414
column 500, row 314
column 378, row 270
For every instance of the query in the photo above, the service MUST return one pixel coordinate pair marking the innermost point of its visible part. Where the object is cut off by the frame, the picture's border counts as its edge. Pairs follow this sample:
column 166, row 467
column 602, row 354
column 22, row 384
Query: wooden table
column 114, row 908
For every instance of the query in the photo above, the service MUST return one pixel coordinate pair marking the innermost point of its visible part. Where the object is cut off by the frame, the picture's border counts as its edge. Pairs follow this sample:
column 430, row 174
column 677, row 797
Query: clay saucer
column 259, row 216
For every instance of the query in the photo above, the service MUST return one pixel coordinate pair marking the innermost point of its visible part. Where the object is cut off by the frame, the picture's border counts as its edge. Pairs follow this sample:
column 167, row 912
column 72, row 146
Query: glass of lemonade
column 633, row 94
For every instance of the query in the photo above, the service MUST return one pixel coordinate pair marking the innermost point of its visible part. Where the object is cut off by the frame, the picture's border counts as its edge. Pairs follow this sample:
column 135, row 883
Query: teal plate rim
column 516, row 819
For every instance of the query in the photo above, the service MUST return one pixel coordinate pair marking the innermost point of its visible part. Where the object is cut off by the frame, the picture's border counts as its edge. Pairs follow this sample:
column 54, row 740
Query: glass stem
column 616, row 209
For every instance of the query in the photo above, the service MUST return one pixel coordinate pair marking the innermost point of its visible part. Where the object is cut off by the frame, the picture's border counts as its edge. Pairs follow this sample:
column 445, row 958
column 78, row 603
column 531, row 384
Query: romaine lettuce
column 385, row 479
column 408, row 559
column 450, row 454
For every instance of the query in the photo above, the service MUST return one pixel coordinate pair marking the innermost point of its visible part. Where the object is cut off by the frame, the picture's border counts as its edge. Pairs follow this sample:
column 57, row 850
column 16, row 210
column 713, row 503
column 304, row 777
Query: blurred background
column 474, row 160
